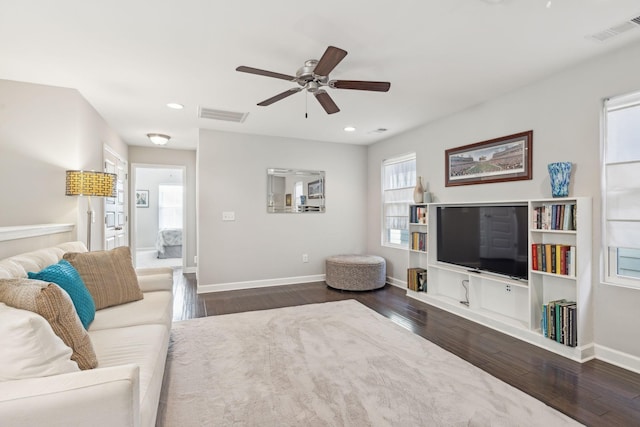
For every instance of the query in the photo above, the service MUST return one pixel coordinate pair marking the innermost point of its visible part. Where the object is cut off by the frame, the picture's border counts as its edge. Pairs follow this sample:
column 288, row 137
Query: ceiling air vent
column 227, row 116
column 616, row 30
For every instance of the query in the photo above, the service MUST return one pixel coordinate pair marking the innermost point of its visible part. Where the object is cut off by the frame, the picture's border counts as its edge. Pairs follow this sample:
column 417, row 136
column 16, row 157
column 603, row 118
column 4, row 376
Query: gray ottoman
column 355, row 272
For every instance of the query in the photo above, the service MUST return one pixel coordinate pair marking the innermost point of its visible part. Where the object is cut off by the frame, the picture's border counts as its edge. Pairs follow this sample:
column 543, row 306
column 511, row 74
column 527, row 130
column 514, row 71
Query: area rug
column 330, row 364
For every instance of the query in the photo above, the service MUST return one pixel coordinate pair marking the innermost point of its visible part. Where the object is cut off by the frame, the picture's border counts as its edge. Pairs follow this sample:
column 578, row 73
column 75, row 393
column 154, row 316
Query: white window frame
column 609, row 269
column 403, row 207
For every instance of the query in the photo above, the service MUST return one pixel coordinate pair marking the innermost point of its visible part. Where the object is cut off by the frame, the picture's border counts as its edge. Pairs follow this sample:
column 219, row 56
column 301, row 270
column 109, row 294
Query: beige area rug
column 330, row 364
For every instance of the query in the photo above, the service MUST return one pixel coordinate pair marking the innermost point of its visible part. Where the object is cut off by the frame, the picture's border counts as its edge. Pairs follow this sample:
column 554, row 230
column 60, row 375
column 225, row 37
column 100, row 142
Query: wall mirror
column 295, row 191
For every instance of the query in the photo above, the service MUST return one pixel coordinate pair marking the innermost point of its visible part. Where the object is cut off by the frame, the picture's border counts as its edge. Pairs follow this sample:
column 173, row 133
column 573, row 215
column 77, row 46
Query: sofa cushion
column 10, row 269
column 109, row 275
column 29, row 348
column 142, row 345
column 52, row 303
column 155, row 309
column 37, row 260
column 64, row 275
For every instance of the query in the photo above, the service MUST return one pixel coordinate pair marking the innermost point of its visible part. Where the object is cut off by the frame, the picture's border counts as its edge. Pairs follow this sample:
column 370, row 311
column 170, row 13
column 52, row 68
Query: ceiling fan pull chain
column 306, row 105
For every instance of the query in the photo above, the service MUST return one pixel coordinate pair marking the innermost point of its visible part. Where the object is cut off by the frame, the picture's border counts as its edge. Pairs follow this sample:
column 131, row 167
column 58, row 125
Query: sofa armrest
column 155, row 279
column 96, row 397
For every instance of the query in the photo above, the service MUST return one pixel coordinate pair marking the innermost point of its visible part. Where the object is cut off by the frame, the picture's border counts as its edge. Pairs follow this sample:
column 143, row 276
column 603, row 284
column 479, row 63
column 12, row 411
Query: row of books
column 419, row 241
column 559, row 322
column 553, row 258
column 418, row 214
column 555, row 216
column 417, row 279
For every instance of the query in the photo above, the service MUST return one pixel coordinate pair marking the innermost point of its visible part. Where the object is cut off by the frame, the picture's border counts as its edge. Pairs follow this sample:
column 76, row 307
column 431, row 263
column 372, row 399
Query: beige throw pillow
column 109, row 275
column 55, row 305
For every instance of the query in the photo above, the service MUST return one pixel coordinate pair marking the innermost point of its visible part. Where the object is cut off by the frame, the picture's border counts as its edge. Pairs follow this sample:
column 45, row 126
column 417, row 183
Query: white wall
column 186, row 158
column 45, row 131
column 564, row 113
column 232, row 176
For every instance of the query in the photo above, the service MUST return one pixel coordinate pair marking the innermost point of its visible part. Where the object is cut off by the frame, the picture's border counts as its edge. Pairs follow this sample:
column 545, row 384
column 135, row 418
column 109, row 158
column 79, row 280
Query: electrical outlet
column 305, row 258
column 228, row 216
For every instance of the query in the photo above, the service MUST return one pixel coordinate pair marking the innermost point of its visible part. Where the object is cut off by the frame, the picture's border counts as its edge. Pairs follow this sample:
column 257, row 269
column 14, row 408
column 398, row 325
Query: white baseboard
column 618, row 358
column 232, row 286
column 397, row 283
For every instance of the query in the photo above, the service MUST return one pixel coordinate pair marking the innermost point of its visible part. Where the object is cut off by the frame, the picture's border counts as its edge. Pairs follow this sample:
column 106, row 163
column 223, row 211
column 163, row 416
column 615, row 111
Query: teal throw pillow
column 67, row 277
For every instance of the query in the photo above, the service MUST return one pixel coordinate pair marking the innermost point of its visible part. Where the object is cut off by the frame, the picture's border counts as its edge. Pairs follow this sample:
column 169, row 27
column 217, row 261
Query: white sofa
column 130, row 341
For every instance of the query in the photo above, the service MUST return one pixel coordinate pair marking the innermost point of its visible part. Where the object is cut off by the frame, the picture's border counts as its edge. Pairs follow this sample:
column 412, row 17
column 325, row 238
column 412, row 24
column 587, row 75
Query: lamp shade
column 91, row 183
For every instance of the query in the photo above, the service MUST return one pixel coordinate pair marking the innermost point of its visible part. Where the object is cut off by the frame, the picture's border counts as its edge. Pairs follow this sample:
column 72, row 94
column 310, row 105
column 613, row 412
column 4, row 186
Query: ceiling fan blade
column 360, row 85
column 327, row 103
column 279, row 96
column 331, row 57
column 265, row 73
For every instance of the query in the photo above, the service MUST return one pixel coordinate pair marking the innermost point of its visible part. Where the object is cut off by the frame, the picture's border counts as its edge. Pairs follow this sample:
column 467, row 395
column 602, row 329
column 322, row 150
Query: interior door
column 116, row 231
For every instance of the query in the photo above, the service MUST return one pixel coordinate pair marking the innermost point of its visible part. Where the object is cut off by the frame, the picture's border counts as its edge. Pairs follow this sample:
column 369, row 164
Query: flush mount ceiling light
column 175, row 106
column 158, row 138
column 349, row 129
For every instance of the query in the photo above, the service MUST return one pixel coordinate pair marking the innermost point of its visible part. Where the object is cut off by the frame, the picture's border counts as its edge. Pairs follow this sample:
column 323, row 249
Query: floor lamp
column 90, row 183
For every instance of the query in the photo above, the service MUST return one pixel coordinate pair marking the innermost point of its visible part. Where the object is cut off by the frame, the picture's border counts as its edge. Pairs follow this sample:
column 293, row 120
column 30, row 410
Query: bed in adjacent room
column 169, row 243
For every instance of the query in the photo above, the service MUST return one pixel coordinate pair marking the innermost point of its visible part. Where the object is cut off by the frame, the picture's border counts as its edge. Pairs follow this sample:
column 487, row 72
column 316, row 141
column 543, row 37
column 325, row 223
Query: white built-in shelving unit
column 514, row 306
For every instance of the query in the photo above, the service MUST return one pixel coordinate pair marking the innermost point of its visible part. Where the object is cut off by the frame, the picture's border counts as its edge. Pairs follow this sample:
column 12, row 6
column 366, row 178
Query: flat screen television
column 490, row 238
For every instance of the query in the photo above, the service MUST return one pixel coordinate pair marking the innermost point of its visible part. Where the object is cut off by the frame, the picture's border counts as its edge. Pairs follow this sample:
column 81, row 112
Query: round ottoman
column 355, row 272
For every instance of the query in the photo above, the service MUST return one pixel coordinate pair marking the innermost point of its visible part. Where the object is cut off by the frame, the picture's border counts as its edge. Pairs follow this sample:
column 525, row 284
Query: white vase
column 418, row 192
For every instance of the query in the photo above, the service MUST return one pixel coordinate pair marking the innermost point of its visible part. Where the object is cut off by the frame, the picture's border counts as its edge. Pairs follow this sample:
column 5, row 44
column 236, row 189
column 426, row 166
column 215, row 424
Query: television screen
column 484, row 238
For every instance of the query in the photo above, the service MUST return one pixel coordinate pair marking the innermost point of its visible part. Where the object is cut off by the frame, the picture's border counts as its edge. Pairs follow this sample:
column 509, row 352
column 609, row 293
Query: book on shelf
column 417, row 279
column 418, row 214
column 559, row 322
column 553, row 258
column 554, row 216
column 419, row 241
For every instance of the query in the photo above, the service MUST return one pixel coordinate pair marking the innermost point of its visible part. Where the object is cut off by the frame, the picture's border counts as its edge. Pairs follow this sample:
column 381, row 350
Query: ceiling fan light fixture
column 158, row 138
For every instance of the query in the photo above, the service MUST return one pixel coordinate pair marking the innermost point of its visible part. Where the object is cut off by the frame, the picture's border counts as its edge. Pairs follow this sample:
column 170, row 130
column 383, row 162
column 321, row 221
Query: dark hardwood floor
column 594, row 393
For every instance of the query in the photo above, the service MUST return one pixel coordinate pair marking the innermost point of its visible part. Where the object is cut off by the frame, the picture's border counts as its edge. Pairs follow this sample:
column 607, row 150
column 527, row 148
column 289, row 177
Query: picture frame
column 142, row 198
column 508, row 158
column 287, row 199
column 315, row 189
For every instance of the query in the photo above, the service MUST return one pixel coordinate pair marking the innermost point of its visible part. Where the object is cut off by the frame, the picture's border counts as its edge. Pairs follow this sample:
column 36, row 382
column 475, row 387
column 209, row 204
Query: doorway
column 158, row 216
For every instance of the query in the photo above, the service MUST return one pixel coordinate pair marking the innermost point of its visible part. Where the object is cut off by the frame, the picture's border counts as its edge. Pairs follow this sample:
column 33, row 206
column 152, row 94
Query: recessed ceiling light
column 175, row 106
column 349, row 129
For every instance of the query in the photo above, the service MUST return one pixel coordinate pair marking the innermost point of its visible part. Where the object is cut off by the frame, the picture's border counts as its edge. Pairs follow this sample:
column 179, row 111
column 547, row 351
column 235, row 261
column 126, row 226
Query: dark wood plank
column 594, row 393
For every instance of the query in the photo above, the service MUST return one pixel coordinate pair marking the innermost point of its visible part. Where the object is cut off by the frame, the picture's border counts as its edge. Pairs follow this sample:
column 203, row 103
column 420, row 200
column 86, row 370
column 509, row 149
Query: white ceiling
column 130, row 58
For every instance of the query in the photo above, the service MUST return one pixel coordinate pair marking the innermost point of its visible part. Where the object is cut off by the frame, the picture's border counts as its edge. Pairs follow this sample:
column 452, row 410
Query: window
column 621, row 190
column 398, row 181
column 169, row 206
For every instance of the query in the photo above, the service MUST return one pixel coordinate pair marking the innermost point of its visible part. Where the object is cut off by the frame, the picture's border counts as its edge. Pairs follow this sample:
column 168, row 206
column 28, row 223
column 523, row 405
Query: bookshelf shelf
column 515, row 306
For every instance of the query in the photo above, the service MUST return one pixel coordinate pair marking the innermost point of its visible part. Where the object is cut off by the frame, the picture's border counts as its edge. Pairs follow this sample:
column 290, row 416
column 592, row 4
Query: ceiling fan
column 313, row 76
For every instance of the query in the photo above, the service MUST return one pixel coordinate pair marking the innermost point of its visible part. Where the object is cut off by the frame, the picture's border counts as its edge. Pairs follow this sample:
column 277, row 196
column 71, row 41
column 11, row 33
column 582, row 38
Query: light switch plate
column 228, row 216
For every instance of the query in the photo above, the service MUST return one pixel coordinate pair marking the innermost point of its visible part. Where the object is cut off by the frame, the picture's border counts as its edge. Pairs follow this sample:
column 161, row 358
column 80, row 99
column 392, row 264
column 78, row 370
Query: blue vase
column 559, row 173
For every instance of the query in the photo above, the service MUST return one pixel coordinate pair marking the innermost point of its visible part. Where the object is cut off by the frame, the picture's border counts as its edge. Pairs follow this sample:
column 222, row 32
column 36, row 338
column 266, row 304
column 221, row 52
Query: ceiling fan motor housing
column 306, row 77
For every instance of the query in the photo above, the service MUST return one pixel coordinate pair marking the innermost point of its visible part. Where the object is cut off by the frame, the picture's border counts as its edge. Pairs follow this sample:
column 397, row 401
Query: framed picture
column 287, row 199
column 142, row 198
column 315, row 189
column 497, row 160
